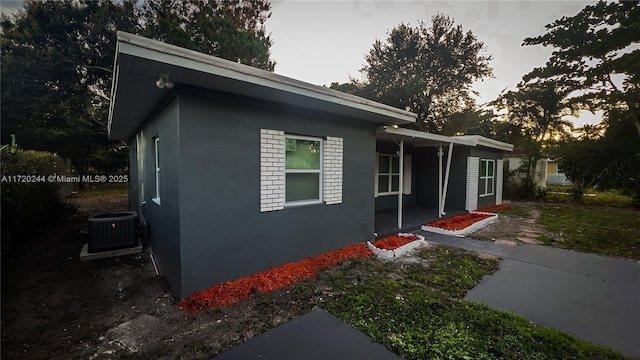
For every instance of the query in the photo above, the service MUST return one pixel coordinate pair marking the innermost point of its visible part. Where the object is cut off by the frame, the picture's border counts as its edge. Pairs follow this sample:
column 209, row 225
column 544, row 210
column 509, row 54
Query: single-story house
column 515, row 162
column 235, row 170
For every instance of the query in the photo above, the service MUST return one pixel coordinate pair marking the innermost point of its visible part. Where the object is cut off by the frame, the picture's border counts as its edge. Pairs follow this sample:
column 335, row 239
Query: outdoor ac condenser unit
column 113, row 231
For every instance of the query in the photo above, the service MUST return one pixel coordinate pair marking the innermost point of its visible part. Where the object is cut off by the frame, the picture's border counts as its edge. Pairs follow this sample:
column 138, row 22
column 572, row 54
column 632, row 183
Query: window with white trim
column 388, row 174
column 156, row 154
column 303, row 170
column 487, row 170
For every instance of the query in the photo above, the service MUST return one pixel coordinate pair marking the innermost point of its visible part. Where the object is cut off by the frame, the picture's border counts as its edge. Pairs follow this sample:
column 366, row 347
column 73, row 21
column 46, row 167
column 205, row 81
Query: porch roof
column 424, row 139
column 139, row 62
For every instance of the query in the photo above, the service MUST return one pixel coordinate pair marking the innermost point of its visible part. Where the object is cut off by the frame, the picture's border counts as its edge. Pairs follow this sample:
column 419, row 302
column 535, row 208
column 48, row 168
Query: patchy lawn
column 612, row 197
column 601, row 230
column 415, row 309
column 56, row 307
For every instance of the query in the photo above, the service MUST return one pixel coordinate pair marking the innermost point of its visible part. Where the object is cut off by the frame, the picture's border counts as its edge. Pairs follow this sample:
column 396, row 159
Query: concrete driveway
column 595, row 298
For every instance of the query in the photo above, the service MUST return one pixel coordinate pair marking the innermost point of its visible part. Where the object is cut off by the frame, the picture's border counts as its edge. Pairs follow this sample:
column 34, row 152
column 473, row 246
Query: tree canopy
column 428, row 69
column 57, row 59
column 595, row 58
column 594, row 66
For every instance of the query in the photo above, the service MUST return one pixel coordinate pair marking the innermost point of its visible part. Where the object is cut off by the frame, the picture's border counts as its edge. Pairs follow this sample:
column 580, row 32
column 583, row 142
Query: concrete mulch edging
column 399, row 251
column 469, row 229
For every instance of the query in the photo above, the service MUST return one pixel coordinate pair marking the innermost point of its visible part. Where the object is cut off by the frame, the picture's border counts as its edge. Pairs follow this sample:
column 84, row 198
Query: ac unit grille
column 113, row 231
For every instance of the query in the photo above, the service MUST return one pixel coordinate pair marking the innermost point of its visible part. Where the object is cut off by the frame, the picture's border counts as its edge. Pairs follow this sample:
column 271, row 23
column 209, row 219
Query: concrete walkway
column 317, row 335
column 595, row 298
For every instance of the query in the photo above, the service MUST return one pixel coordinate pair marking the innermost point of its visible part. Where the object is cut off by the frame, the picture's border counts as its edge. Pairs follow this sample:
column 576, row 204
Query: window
column 388, row 174
column 156, row 151
column 303, row 180
column 486, row 177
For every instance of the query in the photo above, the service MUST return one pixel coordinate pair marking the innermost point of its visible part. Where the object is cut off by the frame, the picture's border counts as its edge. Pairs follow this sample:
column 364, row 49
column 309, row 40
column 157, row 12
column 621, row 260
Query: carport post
column 446, row 178
column 401, row 168
column 440, row 180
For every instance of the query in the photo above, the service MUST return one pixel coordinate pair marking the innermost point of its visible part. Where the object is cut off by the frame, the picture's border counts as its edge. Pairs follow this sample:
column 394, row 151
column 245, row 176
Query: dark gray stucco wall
column 486, row 153
column 162, row 220
column 427, row 177
column 391, row 201
column 224, row 235
column 133, row 176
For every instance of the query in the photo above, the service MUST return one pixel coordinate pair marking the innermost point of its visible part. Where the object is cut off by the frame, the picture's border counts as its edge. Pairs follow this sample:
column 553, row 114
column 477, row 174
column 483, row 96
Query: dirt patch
column 56, row 307
column 518, row 223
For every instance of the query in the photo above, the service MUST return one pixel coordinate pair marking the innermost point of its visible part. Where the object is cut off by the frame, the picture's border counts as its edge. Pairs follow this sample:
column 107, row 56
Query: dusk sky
column 321, row 42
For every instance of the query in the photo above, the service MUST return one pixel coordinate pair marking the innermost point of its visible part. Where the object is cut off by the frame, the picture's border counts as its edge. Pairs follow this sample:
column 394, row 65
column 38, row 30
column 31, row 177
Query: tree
column 56, row 75
column 230, row 29
column 603, row 162
column 538, row 109
column 595, row 59
column 428, row 70
column 57, row 59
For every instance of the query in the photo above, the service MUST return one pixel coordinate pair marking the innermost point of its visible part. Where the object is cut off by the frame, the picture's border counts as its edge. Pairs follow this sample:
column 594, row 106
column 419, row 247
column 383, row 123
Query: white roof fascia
column 427, row 136
column 155, row 50
column 486, row 142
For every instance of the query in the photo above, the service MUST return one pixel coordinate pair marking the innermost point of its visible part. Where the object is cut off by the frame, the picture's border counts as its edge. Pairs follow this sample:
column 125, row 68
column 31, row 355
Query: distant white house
column 555, row 175
column 515, row 161
column 547, row 171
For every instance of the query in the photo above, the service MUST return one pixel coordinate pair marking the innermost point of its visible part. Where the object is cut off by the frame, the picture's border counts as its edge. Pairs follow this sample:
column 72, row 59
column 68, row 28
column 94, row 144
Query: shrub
column 29, row 207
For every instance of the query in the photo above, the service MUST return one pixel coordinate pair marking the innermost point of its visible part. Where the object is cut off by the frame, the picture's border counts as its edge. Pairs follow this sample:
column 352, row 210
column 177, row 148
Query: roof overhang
column 139, row 61
column 486, row 142
column 418, row 138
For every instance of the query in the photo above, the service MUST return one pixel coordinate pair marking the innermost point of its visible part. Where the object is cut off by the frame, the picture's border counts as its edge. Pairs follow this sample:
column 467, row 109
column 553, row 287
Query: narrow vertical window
column 156, row 151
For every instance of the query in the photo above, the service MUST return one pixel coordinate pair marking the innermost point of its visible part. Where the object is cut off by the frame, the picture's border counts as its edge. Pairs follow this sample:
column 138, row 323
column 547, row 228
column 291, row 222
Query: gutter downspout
column 401, row 168
column 446, row 178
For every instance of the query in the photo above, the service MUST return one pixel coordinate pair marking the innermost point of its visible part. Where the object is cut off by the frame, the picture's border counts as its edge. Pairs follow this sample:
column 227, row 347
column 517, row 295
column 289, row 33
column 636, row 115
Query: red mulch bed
column 461, row 222
column 458, row 222
column 495, row 208
column 284, row 275
column 394, row 242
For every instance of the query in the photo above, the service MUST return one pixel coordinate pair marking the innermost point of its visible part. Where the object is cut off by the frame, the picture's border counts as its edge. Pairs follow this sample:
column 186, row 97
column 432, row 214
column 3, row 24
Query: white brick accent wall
column 406, row 175
column 332, row 154
column 375, row 181
column 473, row 178
column 499, row 175
column 271, row 170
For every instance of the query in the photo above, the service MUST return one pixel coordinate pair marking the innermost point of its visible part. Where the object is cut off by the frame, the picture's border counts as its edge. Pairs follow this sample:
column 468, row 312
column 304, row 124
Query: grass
column 93, row 190
column 613, row 197
column 602, row 230
column 417, row 311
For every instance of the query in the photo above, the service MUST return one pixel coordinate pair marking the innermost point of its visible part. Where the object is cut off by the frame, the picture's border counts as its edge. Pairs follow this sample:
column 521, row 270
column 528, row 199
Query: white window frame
column 156, row 161
column 318, row 171
column 484, row 165
column 390, row 174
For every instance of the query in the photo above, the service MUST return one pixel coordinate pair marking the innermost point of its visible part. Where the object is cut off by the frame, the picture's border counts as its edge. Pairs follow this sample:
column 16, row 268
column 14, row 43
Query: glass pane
column 383, row 164
column 395, row 182
column 483, row 186
column 490, row 168
column 395, row 168
column 302, row 154
column 303, row 187
column 489, row 186
column 383, row 184
column 483, row 168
